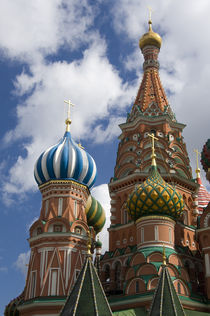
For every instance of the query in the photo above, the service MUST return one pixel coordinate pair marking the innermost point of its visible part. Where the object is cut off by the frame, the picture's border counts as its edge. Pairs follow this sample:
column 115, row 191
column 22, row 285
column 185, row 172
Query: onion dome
column 95, row 214
column 205, row 158
column 203, row 196
column 66, row 161
column 98, row 243
column 150, row 38
column 154, row 196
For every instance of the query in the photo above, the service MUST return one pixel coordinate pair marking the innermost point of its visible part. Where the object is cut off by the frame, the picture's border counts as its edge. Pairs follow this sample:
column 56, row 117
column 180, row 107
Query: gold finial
column 164, row 256
column 68, row 120
column 153, row 148
column 197, row 170
column 80, row 145
column 89, row 244
column 150, row 18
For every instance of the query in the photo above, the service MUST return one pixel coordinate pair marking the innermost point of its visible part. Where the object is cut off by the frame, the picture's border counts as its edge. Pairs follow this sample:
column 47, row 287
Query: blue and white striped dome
column 65, row 160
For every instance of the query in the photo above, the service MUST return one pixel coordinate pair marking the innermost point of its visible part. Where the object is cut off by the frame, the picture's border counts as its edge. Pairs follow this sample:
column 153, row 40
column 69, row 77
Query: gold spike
column 89, row 244
column 150, row 18
column 197, row 170
column 164, row 256
column 153, row 148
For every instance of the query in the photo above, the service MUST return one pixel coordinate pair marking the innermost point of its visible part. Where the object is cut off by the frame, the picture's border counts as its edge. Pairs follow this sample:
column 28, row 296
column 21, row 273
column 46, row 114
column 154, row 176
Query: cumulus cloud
column 101, row 193
column 22, row 262
column 39, row 28
column 43, row 110
column 91, row 81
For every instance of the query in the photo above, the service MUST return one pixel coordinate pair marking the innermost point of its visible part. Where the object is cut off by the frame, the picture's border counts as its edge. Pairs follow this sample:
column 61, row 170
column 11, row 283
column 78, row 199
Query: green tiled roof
column 87, row 296
column 166, row 301
column 140, row 311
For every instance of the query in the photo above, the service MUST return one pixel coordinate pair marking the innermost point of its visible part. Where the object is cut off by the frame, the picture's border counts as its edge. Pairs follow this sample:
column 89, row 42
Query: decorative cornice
column 155, row 217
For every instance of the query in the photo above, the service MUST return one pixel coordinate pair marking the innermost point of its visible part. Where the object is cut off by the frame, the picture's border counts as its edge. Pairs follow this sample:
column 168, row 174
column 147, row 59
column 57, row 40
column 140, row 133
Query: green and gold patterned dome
column 95, row 214
column 154, row 196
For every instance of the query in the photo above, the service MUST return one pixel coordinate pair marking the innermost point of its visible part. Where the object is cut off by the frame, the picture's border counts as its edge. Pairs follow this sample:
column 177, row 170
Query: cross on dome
column 68, row 120
column 153, row 155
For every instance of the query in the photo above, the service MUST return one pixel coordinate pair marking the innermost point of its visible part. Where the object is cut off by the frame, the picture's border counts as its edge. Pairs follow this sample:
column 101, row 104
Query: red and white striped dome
column 203, row 196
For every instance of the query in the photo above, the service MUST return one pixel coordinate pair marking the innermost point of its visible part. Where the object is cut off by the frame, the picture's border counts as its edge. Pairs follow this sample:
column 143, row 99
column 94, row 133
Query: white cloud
column 101, row 194
column 22, row 262
column 41, row 117
column 30, row 30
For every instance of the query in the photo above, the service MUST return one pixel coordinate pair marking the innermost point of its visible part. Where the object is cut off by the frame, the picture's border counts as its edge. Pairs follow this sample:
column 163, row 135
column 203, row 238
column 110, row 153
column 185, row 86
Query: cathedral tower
column 151, row 206
column 58, row 239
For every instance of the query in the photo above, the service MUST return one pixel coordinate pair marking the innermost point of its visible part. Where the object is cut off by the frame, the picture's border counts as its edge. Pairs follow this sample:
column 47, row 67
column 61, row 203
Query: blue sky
column 86, row 51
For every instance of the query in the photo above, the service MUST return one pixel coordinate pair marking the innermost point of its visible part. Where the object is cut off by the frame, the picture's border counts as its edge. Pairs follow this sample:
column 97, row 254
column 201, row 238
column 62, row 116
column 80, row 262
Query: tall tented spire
column 87, row 296
column 151, row 99
column 166, row 301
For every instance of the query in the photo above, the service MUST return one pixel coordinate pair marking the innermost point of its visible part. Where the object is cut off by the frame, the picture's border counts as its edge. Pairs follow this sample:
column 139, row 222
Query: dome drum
column 153, row 231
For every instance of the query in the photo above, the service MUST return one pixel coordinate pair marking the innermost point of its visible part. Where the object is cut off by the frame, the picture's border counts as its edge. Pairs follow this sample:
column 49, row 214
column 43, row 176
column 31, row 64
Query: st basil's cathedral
column 158, row 262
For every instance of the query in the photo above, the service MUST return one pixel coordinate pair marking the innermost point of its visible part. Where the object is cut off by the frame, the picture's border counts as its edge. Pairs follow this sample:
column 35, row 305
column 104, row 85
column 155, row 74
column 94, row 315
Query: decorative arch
column 114, row 263
column 59, row 220
column 130, row 274
column 155, row 257
column 152, row 283
column 171, row 269
column 147, row 269
column 132, row 286
column 137, row 259
column 34, row 228
column 184, row 275
column 175, row 260
column 181, row 287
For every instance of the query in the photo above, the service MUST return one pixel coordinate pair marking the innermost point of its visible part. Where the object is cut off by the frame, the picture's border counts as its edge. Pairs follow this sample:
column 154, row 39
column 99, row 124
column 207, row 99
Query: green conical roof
column 166, row 301
column 87, row 296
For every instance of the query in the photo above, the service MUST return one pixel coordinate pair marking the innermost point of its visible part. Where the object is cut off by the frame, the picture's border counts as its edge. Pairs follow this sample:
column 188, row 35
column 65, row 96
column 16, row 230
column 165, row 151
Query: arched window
column 117, row 275
column 46, row 207
column 137, row 286
column 178, row 288
column 60, row 206
column 107, row 273
column 125, row 216
column 75, row 209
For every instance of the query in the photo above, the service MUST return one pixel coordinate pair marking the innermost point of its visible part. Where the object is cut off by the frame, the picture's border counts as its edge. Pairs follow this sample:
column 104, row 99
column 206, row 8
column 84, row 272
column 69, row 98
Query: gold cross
column 153, row 148
column 150, row 13
column 68, row 120
column 197, row 164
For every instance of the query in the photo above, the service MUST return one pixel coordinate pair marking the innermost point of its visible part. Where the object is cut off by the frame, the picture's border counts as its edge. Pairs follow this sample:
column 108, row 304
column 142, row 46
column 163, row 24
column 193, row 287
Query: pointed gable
column 87, row 296
column 166, row 300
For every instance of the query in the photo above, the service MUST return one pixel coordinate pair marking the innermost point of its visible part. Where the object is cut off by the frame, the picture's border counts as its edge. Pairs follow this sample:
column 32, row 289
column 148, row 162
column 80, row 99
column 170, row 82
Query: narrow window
column 60, row 206
column 75, row 209
column 170, row 235
column 142, row 234
column 46, row 207
column 33, row 284
column 179, row 288
column 156, row 233
column 125, row 217
column 137, row 286
column 54, row 277
column 76, row 274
